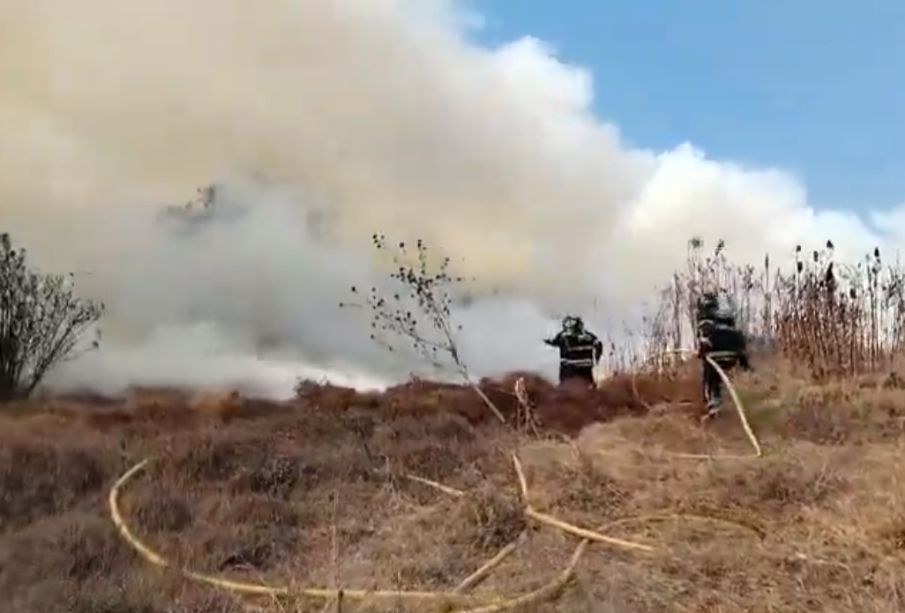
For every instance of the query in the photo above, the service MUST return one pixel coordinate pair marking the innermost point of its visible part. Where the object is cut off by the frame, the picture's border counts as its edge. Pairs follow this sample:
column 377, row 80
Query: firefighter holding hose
column 720, row 340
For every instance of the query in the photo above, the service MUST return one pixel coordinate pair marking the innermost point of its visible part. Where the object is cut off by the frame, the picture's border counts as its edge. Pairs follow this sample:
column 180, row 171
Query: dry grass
column 246, row 490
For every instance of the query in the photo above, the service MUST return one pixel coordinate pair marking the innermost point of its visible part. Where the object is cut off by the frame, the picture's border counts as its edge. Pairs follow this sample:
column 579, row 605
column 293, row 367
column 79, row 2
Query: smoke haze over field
column 327, row 122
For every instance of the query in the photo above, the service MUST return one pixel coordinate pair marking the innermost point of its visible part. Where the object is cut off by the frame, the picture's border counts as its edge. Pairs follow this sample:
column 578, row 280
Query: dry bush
column 440, row 425
column 431, row 447
column 112, row 601
column 803, row 476
column 215, row 458
column 275, row 476
column 264, row 510
column 591, row 492
column 841, row 412
column 427, row 458
column 143, row 594
column 159, row 509
column 823, row 425
column 204, row 601
column 38, row 478
column 246, row 546
column 69, row 551
column 557, row 409
column 488, row 519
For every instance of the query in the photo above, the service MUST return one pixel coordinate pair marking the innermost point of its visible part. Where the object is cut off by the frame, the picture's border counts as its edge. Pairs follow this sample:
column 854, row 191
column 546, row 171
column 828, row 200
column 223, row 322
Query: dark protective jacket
column 582, row 350
column 716, row 311
column 718, row 335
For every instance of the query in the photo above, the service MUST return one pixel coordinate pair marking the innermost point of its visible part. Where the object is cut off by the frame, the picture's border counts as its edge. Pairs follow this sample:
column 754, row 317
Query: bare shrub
column 420, row 312
column 275, row 476
column 41, row 322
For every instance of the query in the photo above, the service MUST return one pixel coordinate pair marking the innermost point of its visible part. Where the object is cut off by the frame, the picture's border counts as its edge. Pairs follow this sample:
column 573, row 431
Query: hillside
column 318, row 492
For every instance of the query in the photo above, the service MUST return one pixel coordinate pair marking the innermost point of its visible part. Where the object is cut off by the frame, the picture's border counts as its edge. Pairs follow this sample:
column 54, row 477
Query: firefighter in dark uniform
column 579, row 351
column 723, row 342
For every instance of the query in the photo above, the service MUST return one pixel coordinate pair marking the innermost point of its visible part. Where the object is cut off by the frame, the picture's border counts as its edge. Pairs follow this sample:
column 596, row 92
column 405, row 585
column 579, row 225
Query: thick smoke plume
column 324, row 122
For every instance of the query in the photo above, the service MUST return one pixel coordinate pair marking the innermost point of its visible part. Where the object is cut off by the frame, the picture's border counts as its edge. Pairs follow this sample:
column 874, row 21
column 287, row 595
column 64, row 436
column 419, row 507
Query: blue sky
column 814, row 88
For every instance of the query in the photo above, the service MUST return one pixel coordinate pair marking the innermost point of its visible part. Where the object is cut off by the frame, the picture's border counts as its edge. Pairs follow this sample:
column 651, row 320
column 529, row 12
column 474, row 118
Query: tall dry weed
column 835, row 319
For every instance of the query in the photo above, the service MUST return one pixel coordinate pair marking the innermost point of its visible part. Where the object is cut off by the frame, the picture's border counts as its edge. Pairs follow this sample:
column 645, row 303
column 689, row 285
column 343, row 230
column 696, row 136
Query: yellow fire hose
column 739, row 407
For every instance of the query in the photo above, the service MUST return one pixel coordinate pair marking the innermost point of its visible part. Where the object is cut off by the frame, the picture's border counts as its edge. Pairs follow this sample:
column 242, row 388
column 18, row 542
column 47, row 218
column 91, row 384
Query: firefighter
column 719, row 339
column 579, row 351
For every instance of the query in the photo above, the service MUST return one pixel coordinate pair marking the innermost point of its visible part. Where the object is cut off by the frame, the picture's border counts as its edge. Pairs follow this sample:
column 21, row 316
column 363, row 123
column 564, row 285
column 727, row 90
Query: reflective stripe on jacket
column 582, row 350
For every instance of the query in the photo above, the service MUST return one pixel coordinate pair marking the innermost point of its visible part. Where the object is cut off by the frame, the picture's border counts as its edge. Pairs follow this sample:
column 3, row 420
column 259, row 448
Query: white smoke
column 327, row 122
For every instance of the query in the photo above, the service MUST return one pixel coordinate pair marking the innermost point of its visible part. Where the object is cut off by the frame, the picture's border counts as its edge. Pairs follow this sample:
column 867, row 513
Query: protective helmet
column 572, row 324
column 708, row 300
